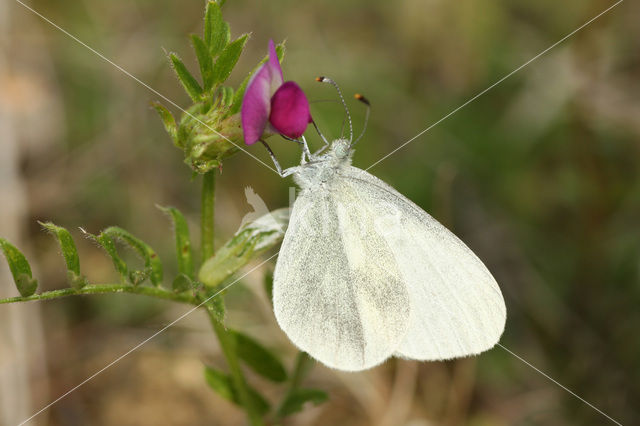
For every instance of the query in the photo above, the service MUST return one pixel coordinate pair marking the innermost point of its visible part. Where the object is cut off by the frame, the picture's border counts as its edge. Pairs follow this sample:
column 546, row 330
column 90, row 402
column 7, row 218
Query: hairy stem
column 226, row 339
column 228, row 345
column 208, row 203
column 107, row 289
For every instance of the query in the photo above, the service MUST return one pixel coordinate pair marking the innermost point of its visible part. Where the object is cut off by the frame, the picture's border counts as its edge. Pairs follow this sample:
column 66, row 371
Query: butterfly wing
column 338, row 292
column 457, row 308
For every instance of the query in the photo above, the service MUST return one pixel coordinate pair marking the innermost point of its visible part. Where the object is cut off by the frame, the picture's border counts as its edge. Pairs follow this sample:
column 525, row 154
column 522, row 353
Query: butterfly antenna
column 344, row 104
column 365, row 101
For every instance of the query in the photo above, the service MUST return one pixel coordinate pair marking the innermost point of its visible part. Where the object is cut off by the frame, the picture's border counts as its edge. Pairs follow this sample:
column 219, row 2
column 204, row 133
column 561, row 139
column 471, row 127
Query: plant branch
column 226, row 339
column 106, row 289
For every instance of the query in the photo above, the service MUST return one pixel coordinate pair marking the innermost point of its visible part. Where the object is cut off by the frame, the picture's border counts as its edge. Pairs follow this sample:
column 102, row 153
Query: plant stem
column 300, row 370
column 208, row 203
column 226, row 339
column 228, row 345
column 106, row 289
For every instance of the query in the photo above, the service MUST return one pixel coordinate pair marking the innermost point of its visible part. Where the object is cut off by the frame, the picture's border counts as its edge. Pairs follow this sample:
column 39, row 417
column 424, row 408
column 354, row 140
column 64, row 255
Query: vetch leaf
column 223, row 385
column 152, row 263
column 204, row 60
column 296, row 400
column 69, row 252
column 259, row 358
column 107, row 243
column 169, row 122
column 228, row 59
column 20, row 269
column 183, row 241
column 189, row 83
column 248, row 242
column 216, row 30
column 237, row 98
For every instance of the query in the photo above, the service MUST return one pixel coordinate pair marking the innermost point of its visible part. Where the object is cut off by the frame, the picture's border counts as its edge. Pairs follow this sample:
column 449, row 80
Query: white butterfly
column 365, row 274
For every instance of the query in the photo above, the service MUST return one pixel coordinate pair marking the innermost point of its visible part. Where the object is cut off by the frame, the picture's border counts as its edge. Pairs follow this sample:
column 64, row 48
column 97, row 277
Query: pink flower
column 271, row 106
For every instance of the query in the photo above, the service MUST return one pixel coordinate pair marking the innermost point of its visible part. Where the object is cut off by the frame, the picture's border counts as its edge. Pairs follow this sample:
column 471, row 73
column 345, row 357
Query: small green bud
column 207, row 139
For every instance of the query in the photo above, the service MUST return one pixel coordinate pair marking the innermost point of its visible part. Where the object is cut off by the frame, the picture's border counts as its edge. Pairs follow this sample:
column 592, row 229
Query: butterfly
column 364, row 274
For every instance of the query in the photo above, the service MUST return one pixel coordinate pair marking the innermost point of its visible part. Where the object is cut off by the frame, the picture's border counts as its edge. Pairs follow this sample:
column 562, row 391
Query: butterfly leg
column 273, row 158
column 305, row 148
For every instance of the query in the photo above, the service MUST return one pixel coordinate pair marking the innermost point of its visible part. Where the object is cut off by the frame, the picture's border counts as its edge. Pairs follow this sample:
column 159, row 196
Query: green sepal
column 69, row 252
column 248, row 242
column 152, row 263
column 184, row 252
column 237, row 98
column 228, row 59
column 223, row 385
column 169, row 122
column 190, row 84
column 226, row 96
column 258, row 358
column 20, row 269
column 296, row 400
column 216, row 31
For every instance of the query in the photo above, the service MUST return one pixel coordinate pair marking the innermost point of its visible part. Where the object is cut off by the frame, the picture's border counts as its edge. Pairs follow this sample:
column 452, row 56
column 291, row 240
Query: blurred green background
column 539, row 176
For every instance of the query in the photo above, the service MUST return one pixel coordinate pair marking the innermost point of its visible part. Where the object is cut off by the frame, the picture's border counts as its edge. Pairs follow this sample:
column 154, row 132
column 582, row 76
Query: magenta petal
column 256, row 105
column 290, row 110
column 274, row 68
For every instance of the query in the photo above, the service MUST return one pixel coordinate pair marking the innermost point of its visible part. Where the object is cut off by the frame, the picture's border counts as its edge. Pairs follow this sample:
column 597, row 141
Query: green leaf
column 169, row 122
column 69, row 252
column 223, row 385
column 296, row 400
column 107, row 243
column 216, row 30
column 259, row 358
column 152, row 263
column 228, row 59
column 249, row 241
column 183, row 241
column 237, row 99
column 20, row 269
column 189, row 83
column 204, row 60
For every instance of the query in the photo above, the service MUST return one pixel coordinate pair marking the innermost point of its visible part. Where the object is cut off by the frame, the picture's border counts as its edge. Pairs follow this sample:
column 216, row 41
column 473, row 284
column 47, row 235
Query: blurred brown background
column 539, row 176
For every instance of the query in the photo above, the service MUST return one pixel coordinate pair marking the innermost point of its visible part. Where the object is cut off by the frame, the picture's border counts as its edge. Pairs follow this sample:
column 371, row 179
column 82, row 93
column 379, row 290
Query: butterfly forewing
column 338, row 291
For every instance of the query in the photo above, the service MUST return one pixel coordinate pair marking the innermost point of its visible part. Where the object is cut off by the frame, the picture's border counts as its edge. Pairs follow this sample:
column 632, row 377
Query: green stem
column 228, row 346
column 300, row 370
column 106, row 289
column 226, row 339
column 208, row 203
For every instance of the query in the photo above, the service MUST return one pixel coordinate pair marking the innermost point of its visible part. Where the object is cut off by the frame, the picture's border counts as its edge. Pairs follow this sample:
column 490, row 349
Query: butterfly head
column 341, row 149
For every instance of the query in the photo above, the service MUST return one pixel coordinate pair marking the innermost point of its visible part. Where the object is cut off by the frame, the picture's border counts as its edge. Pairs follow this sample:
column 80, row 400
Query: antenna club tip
column 320, row 79
column 362, row 99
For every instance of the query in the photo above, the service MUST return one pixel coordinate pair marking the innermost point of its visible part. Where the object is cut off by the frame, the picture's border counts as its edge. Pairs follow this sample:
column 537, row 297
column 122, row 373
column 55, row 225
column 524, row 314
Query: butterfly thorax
column 322, row 169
